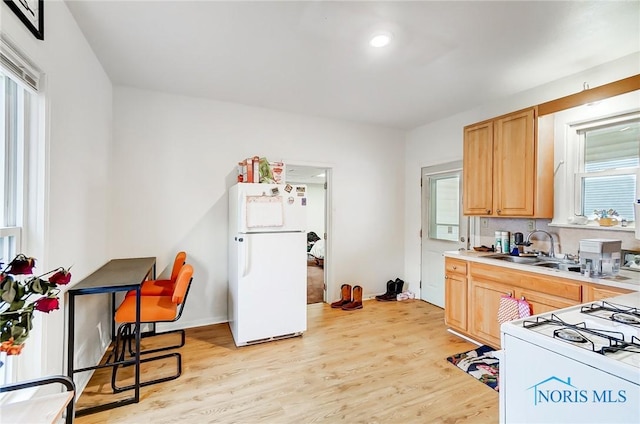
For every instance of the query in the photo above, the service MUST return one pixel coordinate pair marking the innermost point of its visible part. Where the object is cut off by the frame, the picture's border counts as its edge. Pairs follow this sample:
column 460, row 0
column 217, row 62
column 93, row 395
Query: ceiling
column 313, row 57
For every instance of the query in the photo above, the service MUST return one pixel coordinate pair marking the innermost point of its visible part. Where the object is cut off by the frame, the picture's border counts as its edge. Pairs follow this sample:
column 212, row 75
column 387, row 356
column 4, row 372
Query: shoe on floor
column 357, row 300
column 406, row 295
column 391, row 292
column 345, row 296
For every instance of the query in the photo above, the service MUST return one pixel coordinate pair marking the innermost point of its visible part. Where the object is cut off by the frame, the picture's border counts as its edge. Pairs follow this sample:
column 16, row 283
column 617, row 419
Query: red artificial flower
column 21, row 265
column 47, row 304
column 61, row 277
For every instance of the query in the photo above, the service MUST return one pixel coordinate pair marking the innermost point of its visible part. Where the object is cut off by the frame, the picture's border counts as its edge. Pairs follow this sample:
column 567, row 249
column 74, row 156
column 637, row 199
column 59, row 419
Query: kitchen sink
column 559, row 265
column 516, row 259
column 555, row 265
column 538, row 261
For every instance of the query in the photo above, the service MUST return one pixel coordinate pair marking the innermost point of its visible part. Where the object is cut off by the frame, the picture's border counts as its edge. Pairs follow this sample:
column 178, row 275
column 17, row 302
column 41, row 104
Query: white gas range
column 576, row 365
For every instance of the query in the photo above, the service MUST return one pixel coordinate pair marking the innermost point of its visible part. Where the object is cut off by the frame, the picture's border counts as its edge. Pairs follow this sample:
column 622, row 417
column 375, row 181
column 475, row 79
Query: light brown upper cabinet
column 508, row 166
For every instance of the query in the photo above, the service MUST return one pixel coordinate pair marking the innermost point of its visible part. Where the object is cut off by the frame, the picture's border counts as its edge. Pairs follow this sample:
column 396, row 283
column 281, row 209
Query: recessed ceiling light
column 380, row 39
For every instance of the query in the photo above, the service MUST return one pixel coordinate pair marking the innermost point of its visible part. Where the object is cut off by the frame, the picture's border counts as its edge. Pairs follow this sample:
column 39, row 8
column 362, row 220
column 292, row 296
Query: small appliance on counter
column 600, row 257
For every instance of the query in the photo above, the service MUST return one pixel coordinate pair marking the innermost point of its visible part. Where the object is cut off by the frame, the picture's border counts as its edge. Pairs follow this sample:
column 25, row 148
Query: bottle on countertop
column 498, row 236
column 504, row 241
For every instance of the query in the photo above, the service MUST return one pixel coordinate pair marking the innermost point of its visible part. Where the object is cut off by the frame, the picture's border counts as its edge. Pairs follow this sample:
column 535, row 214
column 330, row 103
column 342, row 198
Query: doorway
column 316, row 179
column 443, row 226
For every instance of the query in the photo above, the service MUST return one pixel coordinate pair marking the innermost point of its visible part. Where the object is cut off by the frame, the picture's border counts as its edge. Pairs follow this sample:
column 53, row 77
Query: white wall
column 175, row 157
column 76, row 136
column 441, row 141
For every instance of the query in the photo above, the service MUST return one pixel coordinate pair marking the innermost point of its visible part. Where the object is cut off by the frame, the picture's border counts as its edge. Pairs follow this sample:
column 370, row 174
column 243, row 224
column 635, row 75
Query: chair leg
column 117, row 353
column 154, row 334
column 178, row 357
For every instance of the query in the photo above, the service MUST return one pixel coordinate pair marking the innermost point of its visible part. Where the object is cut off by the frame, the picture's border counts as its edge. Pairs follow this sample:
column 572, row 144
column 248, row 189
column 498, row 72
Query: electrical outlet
column 531, row 225
column 484, row 222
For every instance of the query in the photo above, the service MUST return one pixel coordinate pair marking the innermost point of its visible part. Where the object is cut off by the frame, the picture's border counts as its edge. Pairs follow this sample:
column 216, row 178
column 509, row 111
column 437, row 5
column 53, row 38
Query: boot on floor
column 399, row 286
column 345, row 292
column 357, row 300
column 396, row 289
column 391, row 290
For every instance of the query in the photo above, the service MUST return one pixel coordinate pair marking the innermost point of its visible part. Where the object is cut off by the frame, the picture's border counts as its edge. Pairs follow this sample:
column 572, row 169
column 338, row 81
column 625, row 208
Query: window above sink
column 597, row 161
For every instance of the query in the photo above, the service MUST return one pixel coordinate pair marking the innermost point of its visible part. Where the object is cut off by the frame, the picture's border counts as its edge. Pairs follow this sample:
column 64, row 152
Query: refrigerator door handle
column 244, row 255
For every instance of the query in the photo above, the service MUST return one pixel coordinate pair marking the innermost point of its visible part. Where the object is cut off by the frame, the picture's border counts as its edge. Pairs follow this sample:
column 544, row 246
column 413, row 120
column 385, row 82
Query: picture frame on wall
column 31, row 13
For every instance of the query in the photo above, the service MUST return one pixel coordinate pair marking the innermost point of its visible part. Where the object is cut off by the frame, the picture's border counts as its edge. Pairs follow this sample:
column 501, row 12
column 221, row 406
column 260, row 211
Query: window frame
column 432, row 230
column 579, row 173
column 16, row 122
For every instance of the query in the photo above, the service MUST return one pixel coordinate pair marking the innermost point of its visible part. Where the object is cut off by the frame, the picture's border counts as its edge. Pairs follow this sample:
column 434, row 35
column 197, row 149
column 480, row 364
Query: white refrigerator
column 267, row 262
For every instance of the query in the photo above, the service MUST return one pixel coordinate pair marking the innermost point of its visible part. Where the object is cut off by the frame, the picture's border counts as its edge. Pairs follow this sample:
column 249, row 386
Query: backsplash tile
column 566, row 239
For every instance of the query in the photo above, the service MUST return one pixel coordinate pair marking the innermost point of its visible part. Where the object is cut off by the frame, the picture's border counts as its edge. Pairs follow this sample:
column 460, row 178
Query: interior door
column 444, row 227
column 318, row 181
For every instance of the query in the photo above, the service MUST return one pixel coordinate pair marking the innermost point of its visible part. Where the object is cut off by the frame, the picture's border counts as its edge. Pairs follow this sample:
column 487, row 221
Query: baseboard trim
column 462, row 336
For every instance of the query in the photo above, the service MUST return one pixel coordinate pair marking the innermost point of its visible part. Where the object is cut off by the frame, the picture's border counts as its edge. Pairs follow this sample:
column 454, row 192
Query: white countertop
column 629, row 280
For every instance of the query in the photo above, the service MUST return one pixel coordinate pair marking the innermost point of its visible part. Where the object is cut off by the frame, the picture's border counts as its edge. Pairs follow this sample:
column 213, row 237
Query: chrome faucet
column 528, row 241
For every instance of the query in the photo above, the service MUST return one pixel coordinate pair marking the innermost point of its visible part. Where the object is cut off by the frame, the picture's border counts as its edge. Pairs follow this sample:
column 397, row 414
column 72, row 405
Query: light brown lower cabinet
column 594, row 292
column 484, row 305
column 485, row 302
column 455, row 294
column 473, row 291
column 480, row 290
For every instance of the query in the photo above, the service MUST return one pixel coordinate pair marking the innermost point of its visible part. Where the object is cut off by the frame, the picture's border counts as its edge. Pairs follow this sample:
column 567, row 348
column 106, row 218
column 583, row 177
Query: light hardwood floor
column 385, row 363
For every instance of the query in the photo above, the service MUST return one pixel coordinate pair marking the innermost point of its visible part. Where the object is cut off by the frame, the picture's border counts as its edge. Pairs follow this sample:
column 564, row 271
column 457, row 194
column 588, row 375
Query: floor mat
column 480, row 364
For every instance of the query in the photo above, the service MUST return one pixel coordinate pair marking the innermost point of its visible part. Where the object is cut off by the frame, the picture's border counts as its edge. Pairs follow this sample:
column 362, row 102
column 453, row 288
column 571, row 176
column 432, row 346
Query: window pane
column 610, row 192
column 10, row 154
column 445, row 208
column 611, row 147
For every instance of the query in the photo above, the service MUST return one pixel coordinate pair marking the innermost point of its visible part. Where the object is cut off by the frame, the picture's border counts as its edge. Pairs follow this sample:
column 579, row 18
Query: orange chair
column 162, row 287
column 153, row 309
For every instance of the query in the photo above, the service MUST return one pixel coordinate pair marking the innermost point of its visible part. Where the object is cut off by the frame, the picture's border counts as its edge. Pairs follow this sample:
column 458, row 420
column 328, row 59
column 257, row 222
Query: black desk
column 115, row 276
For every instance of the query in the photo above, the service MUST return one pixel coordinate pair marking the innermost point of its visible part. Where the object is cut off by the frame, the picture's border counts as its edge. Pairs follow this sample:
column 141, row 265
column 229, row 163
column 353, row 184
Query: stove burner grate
column 619, row 313
column 581, row 334
column 633, row 346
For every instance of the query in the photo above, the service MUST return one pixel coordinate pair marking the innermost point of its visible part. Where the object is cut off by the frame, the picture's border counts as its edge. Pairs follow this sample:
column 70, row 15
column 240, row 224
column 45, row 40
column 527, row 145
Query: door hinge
column 325, row 185
column 325, row 236
column 420, row 285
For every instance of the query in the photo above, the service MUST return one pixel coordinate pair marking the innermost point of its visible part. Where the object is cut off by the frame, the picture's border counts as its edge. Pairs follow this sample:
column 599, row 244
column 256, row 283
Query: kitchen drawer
column 553, row 286
column 542, row 302
column 495, row 273
column 455, row 266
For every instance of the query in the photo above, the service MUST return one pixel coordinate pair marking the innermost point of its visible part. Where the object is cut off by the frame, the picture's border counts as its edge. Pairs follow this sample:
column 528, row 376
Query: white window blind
column 611, row 156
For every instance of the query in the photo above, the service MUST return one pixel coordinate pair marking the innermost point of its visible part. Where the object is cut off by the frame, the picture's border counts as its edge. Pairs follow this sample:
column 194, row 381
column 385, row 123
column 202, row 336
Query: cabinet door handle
column 488, row 211
column 446, row 276
column 454, row 267
column 499, row 211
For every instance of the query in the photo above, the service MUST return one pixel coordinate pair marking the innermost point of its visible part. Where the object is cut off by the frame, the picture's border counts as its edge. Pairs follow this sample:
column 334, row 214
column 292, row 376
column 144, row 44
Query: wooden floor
column 385, row 363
